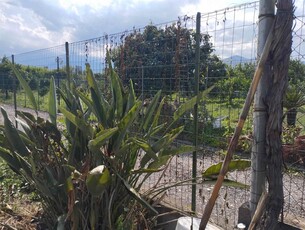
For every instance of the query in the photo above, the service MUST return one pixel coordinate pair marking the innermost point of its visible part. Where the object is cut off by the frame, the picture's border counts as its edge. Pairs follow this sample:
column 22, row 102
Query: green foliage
column 294, row 96
column 159, row 53
column 293, row 100
column 296, row 71
column 89, row 174
column 233, row 165
column 237, row 83
column 211, row 173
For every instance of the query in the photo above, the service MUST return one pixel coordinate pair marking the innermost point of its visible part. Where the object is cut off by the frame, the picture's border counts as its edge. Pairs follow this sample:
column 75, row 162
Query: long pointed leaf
column 188, row 105
column 101, row 138
column 13, row 136
column 26, row 87
column 157, row 114
column 97, row 97
column 131, row 97
column 52, row 101
column 137, row 196
column 151, row 110
column 125, row 123
column 9, row 159
column 234, row 165
column 117, row 94
column 78, row 122
column 179, row 150
column 167, row 139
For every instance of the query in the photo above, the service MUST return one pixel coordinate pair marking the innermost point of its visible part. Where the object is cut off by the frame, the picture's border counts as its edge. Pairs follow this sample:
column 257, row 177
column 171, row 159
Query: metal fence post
column 67, row 64
column 197, row 65
column 258, row 174
column 14, row 90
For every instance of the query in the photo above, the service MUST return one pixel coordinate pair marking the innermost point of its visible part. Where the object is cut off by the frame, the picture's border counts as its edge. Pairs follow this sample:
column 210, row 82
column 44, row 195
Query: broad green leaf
column 88, row 102
column 146, row 147
column 151, row 110
column 157, row 115
column 26, row 87
column 137, row 196
column 9, row 159
column 167, row 139
column 13, row 136
column 117, row 94
column 234, row 165
column 156, row 129
column 125, row 123
column 99, row 102
column 162, row 161
column 101, row 113
column 179, row 150
column 28, row 117
column 235, row 184
column 131, row 97
column 78, row 122
column 25, row 166
column 126, row 147
column 227, row 182
column 52, row 101
column 98, row 179
column 188, row 105
column 146, row 170
column 49, row 176
column 101, row 138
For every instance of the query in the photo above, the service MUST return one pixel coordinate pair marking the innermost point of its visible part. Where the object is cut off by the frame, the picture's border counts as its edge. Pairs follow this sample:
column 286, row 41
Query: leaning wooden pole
column 234, row 141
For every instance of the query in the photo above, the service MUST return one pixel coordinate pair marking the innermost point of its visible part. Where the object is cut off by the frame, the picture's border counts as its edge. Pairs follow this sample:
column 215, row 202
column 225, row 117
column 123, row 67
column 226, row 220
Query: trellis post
column 197, row 65
column 258, row 160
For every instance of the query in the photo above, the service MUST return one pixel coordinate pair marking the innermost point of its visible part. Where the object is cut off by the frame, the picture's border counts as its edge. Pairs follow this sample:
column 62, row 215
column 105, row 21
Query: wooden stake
column 259, row 210
column 234, row 141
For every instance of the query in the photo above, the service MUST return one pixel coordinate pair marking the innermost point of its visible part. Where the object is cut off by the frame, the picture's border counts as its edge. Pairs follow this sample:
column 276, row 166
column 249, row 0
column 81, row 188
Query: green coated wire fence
column 162, row 57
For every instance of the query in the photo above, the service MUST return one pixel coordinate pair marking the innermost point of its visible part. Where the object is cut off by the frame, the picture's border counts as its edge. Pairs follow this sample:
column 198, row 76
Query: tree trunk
column 279, row 55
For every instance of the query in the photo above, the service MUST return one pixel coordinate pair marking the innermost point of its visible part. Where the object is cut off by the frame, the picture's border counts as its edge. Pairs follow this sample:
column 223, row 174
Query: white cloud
column 34, row 24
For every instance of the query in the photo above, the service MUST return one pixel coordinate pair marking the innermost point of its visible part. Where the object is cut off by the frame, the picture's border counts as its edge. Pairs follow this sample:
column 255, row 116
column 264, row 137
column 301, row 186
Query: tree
column 237, row 82
column 6, row 79
column 296, row 71
column 165, row 58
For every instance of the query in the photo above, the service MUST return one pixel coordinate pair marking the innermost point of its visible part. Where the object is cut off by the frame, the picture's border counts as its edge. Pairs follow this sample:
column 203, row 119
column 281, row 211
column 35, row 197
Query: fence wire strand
column 166, row 62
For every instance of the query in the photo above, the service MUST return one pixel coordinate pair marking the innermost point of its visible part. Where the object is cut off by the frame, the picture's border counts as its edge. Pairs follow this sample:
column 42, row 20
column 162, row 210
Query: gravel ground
column 225, row 212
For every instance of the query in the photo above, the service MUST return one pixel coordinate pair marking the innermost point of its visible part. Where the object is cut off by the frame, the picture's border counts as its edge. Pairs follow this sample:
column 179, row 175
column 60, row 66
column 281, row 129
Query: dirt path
column 11, row 112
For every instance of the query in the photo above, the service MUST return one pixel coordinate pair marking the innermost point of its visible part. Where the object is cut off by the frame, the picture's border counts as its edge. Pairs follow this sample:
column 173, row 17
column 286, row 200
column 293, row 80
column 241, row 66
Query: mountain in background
column 236, row 59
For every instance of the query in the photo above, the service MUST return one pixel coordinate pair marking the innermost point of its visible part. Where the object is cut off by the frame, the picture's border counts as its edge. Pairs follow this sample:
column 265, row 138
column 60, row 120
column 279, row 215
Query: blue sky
column 27, row 25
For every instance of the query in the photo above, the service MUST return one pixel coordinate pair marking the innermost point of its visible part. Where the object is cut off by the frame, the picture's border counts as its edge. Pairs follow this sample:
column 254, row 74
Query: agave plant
column 89, row 171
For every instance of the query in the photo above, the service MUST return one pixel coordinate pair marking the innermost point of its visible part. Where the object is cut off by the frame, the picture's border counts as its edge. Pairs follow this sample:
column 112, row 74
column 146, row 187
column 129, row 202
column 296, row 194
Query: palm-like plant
column 90, row 170
column 294, row 99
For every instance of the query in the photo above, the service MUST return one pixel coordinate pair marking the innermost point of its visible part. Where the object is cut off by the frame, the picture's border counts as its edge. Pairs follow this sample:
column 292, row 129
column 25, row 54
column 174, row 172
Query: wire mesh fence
column 163, row 57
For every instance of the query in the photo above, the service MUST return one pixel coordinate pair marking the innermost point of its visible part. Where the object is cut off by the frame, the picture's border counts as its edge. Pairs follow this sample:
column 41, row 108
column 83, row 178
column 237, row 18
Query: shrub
column 89, row 174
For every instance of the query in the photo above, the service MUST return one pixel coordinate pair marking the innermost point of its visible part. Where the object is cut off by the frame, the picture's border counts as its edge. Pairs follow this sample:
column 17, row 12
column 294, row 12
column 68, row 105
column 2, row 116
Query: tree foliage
column 165, row 58
column 237, row 82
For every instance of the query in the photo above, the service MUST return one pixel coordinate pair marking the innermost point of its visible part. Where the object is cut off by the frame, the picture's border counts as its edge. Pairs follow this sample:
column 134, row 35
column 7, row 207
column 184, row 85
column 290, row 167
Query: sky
column 27, row 25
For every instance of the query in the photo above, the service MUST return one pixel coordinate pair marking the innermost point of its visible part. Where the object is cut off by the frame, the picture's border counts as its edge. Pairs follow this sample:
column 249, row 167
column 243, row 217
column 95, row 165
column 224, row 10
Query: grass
column 19, row 205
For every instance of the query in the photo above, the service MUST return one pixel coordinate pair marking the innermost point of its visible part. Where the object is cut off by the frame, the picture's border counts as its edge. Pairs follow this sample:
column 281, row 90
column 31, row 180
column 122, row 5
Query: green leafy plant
column 293, row 100
column 89, row 175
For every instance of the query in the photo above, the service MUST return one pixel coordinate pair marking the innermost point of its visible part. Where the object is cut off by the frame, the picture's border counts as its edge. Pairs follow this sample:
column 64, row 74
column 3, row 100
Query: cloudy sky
column 27, row 25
